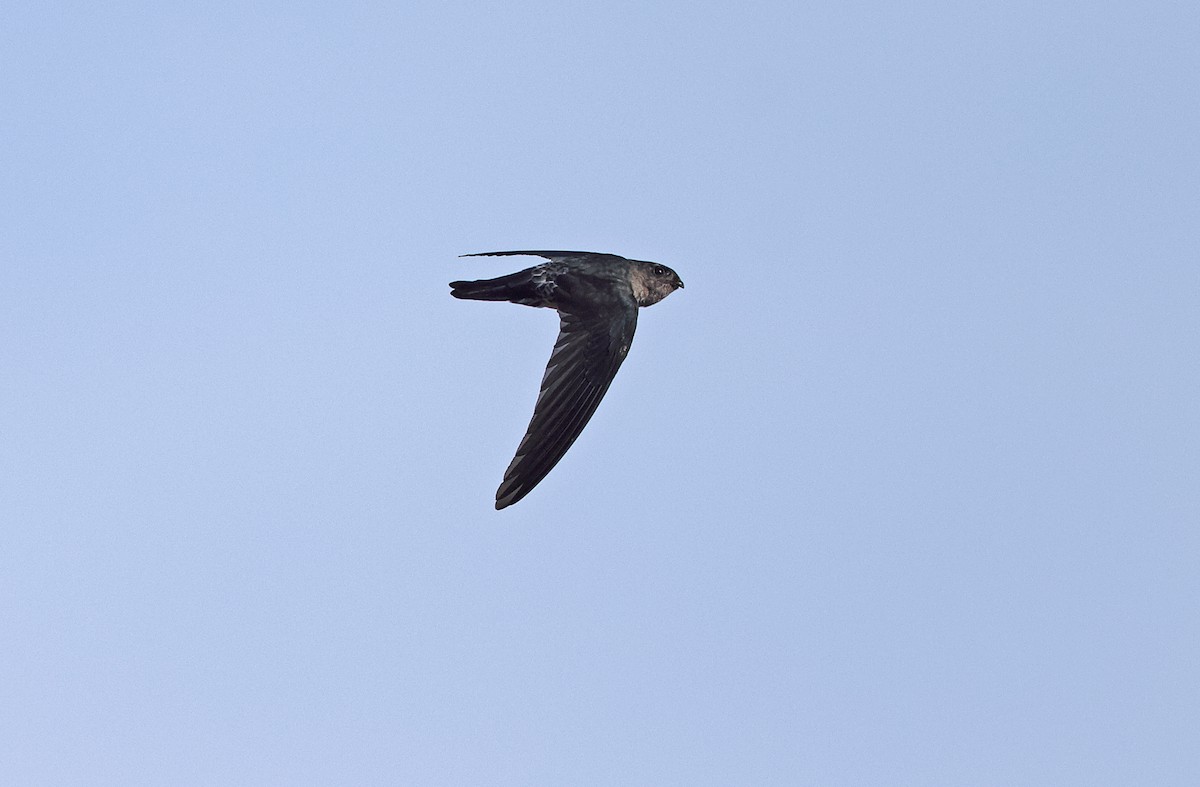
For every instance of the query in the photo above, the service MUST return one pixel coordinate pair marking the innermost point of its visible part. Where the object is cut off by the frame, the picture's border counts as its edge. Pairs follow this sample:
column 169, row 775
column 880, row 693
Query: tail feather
column 516, row 287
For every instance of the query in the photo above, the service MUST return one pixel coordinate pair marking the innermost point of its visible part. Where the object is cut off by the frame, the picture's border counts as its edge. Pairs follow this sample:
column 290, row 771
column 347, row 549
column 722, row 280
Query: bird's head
column 652, row 282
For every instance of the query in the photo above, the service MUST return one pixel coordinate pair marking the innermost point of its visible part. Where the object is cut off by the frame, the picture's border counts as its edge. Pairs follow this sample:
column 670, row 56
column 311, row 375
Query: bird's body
column 597, row 297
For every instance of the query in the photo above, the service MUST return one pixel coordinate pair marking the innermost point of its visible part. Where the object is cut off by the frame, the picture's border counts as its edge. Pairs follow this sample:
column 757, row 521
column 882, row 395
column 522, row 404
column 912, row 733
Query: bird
column 597, row 297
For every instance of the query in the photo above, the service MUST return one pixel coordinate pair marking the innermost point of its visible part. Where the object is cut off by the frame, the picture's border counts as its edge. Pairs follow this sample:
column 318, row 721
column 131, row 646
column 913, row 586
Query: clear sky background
column 904, row 488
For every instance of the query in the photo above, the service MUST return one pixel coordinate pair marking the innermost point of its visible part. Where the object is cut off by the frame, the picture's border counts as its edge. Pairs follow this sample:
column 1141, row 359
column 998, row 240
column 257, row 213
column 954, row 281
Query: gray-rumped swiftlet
column 597, row 298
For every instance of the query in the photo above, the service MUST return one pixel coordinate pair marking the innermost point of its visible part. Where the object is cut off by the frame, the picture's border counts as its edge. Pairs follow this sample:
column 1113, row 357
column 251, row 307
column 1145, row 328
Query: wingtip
column 491, row 254
column 507, row 494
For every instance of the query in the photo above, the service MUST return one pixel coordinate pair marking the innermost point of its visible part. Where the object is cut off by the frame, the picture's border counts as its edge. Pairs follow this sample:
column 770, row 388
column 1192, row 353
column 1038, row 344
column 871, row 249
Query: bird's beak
column 679, row 282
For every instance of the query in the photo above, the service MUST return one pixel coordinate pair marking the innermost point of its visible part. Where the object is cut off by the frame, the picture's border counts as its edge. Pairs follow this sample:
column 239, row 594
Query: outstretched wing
column 550, row 255
column 589, row 350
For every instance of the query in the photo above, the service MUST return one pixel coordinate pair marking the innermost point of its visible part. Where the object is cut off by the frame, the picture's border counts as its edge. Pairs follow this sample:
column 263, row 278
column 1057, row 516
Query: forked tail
column 516, row 287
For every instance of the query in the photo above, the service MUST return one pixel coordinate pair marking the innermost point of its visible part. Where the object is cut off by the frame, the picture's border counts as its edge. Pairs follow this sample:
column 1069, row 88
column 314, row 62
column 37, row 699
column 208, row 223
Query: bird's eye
column 660, row 270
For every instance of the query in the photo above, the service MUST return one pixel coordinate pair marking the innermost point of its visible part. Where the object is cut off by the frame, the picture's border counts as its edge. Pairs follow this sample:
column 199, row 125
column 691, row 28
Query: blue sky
column 902, row 489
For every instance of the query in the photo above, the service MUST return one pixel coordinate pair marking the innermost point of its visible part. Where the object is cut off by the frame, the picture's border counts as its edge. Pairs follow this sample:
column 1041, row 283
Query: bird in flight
column 597, row 298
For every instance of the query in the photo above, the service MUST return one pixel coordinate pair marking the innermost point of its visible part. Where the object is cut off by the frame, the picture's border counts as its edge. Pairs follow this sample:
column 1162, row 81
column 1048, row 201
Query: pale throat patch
column 647, row 290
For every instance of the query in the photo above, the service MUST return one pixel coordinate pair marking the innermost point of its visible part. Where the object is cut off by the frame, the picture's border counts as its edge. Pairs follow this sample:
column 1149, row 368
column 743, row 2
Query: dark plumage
column 597, row 297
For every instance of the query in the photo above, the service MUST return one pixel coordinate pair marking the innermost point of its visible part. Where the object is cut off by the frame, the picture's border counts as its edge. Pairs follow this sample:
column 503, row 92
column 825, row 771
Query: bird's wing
column 589, row 350
column 550, row 255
